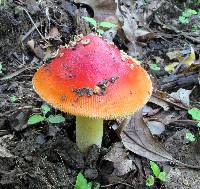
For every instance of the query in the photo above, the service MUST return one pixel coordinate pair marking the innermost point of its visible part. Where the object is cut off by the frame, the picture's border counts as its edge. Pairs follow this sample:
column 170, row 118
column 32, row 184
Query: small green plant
column 99, row 26
column 3, row 2
column 1, row 68
column 195, row 27
column 190, row 137
column 13, row 98
column 184, row 18
column 192, row 17
column 157, row 174
column 154, row 67
column 37, row 118
column 82, row 183
column 195, row 113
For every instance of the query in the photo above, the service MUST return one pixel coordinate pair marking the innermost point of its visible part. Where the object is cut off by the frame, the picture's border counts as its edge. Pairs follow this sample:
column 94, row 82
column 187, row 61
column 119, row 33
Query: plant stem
column 89, row 131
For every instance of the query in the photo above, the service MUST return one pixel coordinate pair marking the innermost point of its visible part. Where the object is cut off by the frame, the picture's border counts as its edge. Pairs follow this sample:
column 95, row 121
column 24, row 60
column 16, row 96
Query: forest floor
column 163, row 35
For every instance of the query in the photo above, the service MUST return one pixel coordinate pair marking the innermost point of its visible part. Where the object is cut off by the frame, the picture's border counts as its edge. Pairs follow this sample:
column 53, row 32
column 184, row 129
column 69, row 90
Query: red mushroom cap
column 93, row 79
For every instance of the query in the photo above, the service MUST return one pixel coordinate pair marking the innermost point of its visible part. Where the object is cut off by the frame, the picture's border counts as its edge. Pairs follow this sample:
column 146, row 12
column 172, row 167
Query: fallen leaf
column 129, row 26
column 171, row 67
column 137, row 138
column 151, row 6
column 4, row 152
column 119, row 157
column 166, row 98
column 173, row 54
column 156, row 127
column 53, row 33
column 189, row 58
column 167, row 117
column 159, row 102
column 143, row 35
column 103, row 9
column 146, row 110
column 186, row 58
column 31, row 44
column 182, row 95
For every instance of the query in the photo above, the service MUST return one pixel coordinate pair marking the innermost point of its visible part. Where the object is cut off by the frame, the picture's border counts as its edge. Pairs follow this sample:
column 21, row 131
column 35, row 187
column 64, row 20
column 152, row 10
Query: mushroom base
column 89, row 131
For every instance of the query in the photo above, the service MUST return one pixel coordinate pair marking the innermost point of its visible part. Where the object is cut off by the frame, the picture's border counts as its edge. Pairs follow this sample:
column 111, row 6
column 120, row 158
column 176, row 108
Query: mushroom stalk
column 89, row 131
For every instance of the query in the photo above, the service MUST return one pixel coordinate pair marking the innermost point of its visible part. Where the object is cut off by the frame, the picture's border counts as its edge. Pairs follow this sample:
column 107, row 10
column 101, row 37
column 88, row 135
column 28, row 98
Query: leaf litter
column 137, row 138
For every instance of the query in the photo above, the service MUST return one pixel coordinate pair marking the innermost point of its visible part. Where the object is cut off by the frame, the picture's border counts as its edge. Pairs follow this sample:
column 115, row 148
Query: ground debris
column 43, row 156
column 119, row 157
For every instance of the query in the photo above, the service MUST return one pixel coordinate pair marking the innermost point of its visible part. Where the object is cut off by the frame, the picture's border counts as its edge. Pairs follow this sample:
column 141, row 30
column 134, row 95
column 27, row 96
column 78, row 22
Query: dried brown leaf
column 53, row 33
column 156, row 127
column 165, row 97
column 103, row 9
column 182, row 95
column 4, row 152
column 159, row 102
column 137, row 138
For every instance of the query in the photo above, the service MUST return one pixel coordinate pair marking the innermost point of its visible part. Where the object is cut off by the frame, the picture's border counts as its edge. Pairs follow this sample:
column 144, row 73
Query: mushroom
column 94, row 81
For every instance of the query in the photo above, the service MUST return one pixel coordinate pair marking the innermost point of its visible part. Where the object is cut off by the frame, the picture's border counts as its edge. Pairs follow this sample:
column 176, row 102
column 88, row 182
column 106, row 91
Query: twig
column 31, row 30
column 190, row 121
column 181, row 80
column 19, row 108
column 34, row 24
column 190, row 37
column 170, row 102
column 108, row 185
column 10, row 76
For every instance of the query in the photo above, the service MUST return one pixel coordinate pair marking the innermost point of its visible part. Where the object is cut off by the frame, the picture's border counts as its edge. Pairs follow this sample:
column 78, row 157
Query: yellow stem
column 89, row 131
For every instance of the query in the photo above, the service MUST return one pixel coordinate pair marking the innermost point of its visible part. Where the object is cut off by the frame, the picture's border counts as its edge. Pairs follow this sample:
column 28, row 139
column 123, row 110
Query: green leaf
column 183, row 20
column 195, row 27
column 81, row 182
column 195, row 113
column 198, row 124
column 45, row 109
column 3, row 2
column 56, row 119
column 163, row 176
column 190, row 137
column 155, row 168
column 90, row 20
column 154, row 67
column 100, row 31
column 189, row 12
column 150, row 180
column 107, row 24
column 13, row 98
column 1, row 67
column 36, row 118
